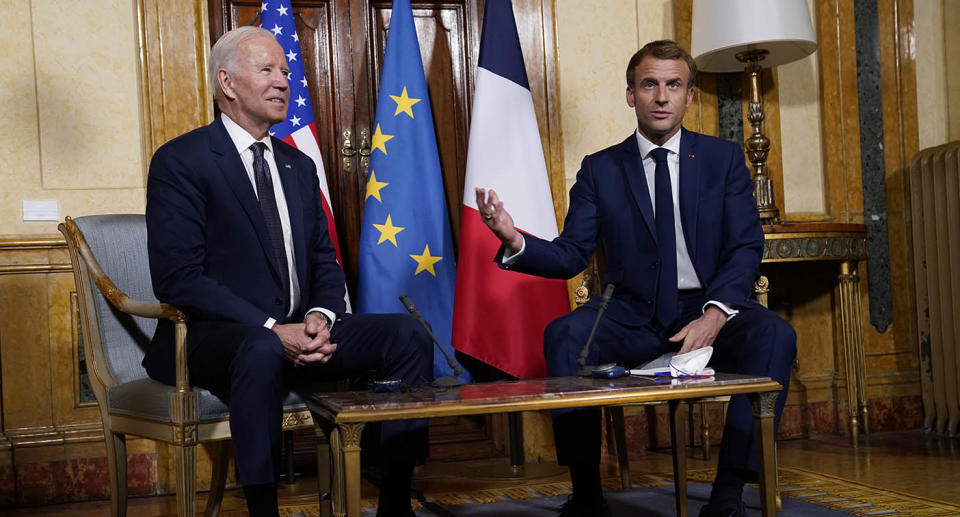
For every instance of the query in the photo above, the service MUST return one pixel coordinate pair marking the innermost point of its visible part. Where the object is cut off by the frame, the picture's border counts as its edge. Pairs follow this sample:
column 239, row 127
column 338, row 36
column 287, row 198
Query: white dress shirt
column 242, row 140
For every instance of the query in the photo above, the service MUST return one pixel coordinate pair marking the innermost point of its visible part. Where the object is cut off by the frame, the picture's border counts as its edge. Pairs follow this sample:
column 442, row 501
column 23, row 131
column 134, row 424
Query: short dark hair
column 662, row 49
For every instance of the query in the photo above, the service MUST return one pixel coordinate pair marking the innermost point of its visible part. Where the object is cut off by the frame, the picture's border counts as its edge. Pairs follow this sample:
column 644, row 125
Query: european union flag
column 405, row 244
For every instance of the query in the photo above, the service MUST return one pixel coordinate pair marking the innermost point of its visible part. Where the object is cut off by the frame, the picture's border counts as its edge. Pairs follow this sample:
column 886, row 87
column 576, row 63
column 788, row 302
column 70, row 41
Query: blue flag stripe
column 500, row 50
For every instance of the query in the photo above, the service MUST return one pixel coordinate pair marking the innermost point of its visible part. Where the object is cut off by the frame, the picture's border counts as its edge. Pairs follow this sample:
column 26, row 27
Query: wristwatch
column 326, row 320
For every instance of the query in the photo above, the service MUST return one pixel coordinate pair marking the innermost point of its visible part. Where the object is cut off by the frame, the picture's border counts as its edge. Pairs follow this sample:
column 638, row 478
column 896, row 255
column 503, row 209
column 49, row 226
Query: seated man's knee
column 412, row 350
column 778, row 337
column 261, row 349
column 562, row 341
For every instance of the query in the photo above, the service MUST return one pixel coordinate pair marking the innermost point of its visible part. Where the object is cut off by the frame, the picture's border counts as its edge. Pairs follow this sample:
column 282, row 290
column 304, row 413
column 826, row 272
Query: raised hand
column 499, row 221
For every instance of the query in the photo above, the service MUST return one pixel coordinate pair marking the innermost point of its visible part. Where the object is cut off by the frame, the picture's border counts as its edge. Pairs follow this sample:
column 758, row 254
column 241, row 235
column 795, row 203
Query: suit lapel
column 231, row 167
column 689, row 189
column 291, row 193
column 631, row 163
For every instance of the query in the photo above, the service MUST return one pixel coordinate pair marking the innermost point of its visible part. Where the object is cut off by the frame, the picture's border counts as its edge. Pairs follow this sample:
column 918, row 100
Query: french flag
column 499, row 316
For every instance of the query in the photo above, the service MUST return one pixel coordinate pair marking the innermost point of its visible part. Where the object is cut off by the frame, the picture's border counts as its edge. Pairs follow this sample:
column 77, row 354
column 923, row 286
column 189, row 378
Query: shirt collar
column 239, row 136
column 672, row 145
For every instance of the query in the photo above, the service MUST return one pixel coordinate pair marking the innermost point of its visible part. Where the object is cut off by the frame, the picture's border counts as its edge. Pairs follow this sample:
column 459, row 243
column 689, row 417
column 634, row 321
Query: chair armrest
column 124, row 303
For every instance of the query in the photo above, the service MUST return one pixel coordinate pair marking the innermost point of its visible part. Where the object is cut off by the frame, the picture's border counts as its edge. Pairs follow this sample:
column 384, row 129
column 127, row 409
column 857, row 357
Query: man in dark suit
column 675, row 213
column 237, row 238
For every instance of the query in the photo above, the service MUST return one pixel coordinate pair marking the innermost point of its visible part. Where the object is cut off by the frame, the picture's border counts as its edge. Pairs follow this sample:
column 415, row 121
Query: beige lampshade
column 722, row 28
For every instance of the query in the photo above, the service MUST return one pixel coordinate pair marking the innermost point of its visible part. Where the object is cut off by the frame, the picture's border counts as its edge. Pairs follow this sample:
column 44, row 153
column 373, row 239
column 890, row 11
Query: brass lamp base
column 757, row 145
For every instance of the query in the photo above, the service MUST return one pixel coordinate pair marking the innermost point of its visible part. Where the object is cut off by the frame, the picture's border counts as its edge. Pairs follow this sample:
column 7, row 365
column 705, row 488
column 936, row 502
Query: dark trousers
column 244, row 365
column 755, row 342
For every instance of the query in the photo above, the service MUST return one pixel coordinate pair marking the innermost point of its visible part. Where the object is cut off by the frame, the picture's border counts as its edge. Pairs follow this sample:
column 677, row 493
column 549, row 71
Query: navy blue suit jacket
column 210, row 253
column 610, row 204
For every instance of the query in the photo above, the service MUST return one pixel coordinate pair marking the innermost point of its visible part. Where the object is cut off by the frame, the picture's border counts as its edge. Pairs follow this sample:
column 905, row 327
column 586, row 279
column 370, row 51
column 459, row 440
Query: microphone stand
column 587, row 371
column 447, row 381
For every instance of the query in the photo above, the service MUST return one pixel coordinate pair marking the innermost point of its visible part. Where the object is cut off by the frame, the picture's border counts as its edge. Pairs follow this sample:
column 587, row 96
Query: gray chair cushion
column 147, row 398
column 119, row 242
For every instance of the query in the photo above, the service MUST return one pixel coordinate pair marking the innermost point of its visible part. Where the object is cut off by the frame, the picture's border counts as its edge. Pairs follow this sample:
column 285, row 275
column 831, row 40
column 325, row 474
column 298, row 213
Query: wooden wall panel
column 173, row 57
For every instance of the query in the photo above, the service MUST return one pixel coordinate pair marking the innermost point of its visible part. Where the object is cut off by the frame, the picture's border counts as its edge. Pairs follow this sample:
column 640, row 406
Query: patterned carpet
column 835, row 496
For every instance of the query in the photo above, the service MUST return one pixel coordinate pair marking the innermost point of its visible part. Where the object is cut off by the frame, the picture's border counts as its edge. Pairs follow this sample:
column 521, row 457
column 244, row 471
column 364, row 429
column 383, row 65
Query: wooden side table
column 846, row 244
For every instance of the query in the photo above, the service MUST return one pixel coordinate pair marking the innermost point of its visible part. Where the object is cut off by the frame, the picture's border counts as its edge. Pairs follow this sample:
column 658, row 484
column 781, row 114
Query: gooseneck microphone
column 447, row 381
column 605, row 370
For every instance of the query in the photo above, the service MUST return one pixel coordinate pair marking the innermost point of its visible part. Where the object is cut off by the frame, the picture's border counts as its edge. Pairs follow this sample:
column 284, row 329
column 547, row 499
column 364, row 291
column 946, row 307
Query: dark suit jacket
column 210, row 253
column 610, row 203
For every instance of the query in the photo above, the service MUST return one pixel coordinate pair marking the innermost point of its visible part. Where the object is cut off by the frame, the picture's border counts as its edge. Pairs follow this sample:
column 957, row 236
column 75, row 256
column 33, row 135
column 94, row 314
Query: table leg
column 852, row 332
column 678, row 438
column 763, row 410
column 349, row 483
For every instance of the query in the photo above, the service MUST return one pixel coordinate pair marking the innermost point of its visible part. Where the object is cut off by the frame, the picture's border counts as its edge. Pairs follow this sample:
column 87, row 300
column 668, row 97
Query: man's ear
column 226, row 84
column 689, row 97
column 631, row 101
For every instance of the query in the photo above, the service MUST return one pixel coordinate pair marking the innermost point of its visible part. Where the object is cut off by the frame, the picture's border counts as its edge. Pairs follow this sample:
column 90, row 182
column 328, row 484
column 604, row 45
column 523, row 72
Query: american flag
column 299, row 129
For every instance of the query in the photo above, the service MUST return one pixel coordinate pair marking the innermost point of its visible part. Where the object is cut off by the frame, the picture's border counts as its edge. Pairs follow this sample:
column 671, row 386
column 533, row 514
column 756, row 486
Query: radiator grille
column 935, row 214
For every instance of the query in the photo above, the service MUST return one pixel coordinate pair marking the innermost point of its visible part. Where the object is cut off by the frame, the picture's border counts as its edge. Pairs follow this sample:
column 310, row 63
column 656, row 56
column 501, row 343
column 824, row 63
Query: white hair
column 224, row 53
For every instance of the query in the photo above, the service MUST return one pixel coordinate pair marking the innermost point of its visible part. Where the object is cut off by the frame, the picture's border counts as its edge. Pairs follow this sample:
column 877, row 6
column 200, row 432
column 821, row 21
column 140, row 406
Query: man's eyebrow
column 653, row 80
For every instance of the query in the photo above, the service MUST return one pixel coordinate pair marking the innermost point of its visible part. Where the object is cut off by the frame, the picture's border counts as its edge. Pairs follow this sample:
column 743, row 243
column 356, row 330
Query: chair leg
column 288, row 458
column 185, row 469
column 220, row 457
column 117, row 466
column 678, row 440
column 620, row 440
column 705, row 429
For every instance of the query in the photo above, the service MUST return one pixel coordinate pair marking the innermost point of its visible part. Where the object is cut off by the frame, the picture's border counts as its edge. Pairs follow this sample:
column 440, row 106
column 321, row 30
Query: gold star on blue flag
column 406, row 245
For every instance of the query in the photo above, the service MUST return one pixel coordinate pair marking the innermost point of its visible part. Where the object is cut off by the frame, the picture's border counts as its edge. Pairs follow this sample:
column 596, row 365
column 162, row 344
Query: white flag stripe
column 506, row 154
column 305, row 142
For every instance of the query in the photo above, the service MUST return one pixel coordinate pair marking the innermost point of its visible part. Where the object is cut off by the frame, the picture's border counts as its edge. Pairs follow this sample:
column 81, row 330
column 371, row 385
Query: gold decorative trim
column 297, row 419
column 32, row 243
column 763, row 403
column 32, row 269
column 55, row 435
column 351, row 436
column 185, row 434
column 799, row 247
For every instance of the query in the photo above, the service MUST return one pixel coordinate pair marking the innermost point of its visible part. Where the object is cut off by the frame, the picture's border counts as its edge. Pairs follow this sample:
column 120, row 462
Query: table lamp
column 735, row 35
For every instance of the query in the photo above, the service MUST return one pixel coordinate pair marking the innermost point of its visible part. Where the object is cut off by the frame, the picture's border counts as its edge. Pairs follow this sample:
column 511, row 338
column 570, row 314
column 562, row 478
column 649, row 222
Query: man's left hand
column 319, row 349
column 702, row 331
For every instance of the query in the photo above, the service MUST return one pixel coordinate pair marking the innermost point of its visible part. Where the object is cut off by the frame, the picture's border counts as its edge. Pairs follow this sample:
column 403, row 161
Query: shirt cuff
column 330, row 316
column 723, row 307
column 269, row 323
column 507, row 259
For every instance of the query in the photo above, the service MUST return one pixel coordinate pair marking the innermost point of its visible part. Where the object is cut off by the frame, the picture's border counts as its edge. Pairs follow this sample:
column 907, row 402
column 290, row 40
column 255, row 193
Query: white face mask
column 692, row 363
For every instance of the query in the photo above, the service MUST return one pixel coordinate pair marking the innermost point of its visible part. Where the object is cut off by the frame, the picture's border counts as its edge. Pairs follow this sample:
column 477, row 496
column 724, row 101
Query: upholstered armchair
column 118, row 315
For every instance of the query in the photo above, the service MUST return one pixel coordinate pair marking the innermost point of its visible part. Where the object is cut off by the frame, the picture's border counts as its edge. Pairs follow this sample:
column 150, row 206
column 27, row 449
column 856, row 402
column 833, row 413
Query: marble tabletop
column 510, row 392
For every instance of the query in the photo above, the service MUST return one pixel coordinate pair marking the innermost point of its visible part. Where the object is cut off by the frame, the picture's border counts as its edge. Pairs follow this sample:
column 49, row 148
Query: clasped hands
column 307, row 342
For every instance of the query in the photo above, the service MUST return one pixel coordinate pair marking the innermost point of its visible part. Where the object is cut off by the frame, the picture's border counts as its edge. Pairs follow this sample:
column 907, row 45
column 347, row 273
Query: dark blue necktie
column 271, row 215
column 666, row 309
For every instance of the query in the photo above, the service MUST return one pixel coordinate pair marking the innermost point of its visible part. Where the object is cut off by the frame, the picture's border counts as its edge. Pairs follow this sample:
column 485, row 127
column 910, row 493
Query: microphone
column 607, row 370
column 447, row 381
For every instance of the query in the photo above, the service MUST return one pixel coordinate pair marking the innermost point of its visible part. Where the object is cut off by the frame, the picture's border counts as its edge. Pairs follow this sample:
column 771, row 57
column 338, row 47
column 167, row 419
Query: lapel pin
column 691, row 156
column 287, row 165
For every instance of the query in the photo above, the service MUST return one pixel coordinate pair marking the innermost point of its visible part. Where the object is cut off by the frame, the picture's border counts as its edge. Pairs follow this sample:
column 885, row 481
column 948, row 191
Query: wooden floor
column 907, row 462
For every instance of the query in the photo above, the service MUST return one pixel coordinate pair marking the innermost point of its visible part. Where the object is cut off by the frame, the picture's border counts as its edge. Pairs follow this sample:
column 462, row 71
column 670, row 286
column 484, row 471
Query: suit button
column 655, row 264
column 649, row 301
column 277, row 301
